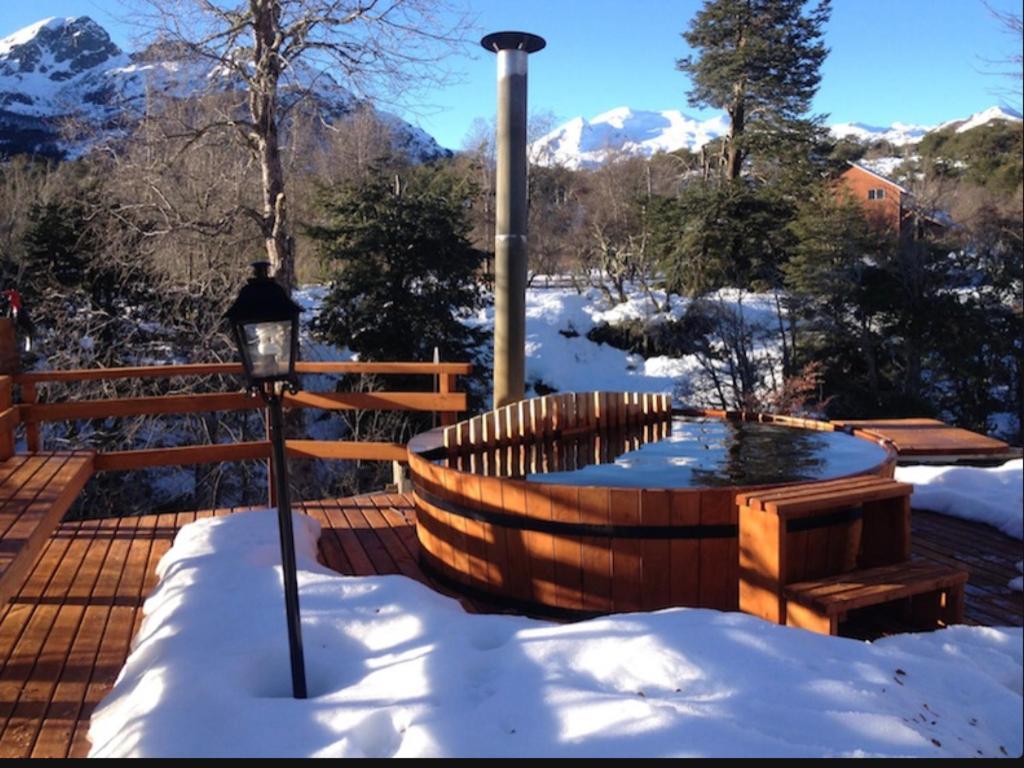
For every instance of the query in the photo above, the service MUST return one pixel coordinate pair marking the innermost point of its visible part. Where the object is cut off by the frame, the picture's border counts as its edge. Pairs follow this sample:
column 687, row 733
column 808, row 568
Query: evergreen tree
column 403, row 272
column 759, row 60
column 834, row 281
column 709, row 237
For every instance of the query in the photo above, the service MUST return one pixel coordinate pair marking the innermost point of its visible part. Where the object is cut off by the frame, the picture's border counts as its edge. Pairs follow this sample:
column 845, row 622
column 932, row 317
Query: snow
column 27, row 34
column 1017, row 582
column 559, row 355
column 102, row 92
column 898, row 134
column 882, row 165
column 395, row 669
column 987, row 116
column 582, row 143
column 992, row 495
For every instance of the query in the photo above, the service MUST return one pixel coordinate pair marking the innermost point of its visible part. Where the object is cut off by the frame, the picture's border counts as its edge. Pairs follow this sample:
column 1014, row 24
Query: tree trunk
column 787, row 365
column 263, row 109
column 737, row 122
column 734, row 159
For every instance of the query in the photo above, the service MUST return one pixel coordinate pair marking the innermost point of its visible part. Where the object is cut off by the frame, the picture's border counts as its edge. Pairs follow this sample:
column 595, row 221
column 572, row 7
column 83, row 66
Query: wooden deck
column 67, row 632
column 929, row 440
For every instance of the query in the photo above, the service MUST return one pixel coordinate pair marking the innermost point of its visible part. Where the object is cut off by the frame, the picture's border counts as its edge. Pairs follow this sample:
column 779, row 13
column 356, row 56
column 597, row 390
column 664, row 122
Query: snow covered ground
column 559, row 354
column 992, row 495
column 397, row 670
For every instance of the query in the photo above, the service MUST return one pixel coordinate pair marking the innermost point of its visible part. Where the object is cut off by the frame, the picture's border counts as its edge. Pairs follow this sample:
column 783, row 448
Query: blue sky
column 916, row 61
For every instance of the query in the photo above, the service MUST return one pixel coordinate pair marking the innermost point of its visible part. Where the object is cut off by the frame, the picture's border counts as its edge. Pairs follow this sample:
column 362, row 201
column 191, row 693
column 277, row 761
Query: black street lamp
column 265, row 322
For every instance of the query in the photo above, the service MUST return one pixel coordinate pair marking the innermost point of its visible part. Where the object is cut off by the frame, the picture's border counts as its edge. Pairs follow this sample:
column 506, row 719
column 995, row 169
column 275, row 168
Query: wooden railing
column 445, row 400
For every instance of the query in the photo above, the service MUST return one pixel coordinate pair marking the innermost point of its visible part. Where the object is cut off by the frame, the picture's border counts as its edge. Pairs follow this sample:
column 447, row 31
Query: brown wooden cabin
column 889, row 206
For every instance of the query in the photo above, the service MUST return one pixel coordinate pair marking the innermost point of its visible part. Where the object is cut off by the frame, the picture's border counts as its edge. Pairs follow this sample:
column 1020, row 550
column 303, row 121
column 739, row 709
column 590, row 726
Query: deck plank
column 112, row 539
column 57, row 658
column 68, row 631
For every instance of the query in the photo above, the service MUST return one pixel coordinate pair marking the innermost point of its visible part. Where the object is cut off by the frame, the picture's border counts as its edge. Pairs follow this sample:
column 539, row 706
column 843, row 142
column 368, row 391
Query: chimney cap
column 517, row 41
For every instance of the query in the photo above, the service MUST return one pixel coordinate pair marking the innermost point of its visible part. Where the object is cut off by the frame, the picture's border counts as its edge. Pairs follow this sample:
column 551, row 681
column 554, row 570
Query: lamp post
column 265, row 322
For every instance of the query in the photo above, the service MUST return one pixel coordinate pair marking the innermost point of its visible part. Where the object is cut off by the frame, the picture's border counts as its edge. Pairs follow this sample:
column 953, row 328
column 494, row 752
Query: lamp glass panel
column 270, row 346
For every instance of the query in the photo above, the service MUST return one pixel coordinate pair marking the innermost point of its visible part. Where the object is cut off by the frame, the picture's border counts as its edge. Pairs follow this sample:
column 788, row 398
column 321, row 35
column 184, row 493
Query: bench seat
column 35, row 492
column 937, row 593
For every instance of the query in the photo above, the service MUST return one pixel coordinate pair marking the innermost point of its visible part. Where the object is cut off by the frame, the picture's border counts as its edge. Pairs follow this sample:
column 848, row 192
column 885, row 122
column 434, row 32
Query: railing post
column 29, row 396
column 10, row 363
column 6, row 401
column 448, row 386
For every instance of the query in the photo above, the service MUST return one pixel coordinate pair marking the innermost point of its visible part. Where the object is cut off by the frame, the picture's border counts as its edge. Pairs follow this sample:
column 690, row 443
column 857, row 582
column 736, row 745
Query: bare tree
column 1013, row 25
column 279, row 53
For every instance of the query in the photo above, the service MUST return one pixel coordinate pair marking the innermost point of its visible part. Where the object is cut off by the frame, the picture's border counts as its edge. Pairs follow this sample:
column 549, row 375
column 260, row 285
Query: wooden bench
column 35, row 492
column 810, row 554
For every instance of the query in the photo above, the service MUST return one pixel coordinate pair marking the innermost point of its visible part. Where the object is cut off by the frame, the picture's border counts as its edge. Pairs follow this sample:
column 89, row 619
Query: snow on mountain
column 582, row 143
column 45, row 67
column 898, row 134
column 61, row 68
column 987, row 116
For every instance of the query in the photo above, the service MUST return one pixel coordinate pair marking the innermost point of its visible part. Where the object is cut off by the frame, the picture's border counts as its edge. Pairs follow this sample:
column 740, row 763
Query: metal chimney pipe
column 512, row 48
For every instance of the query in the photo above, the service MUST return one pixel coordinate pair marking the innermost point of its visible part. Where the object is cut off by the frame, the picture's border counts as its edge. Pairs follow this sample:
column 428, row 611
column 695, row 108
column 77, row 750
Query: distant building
column 889, row 206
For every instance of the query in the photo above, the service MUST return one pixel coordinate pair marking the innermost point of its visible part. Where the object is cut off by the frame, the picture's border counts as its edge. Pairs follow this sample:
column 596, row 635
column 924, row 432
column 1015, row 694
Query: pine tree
column 760, row 61
column 403, row 272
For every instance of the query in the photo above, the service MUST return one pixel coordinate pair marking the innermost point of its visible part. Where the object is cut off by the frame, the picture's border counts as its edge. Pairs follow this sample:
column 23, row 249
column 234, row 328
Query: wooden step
column 820, row 604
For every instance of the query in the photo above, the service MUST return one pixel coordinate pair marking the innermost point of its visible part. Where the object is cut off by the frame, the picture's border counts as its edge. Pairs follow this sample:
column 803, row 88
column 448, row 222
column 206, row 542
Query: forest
column 128, row 254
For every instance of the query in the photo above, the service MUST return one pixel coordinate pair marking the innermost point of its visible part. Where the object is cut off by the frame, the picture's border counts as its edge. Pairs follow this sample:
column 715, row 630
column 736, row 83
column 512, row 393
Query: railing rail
column 446, row 400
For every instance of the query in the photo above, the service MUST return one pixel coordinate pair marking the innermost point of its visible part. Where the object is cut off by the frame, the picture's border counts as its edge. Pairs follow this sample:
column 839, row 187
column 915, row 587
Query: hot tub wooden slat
column 468, row 490
column 627, row 566
column 495, row 545
column 719, row 570
column 568, row 550
column 540, row 548
column 513, row 502
column 685, row 553
column 597, row 558
column 656, row 509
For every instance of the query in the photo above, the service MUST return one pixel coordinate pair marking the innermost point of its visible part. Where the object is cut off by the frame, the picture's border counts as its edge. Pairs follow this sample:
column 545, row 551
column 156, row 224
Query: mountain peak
column 61, row 67
column 58, row 47
column 582, row 143
column 987, row 116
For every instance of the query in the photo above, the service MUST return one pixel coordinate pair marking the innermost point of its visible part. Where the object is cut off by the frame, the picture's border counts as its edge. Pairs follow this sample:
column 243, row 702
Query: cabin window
column 876, row 194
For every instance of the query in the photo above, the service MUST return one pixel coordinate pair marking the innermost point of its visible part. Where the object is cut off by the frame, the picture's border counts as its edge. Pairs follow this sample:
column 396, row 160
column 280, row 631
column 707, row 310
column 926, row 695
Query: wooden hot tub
column 576, row 550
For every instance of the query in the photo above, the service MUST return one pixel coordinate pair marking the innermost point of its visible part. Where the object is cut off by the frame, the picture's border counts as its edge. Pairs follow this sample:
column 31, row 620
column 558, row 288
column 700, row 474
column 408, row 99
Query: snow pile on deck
column 397, row 670
column 993, row 495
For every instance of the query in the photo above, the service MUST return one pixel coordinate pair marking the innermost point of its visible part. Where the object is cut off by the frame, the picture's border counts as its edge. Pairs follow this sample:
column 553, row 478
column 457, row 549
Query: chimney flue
column 510, row 250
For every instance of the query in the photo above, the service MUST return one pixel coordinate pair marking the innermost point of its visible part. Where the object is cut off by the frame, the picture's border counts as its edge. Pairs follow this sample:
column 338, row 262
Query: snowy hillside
column 582, row 143
column 63, row 68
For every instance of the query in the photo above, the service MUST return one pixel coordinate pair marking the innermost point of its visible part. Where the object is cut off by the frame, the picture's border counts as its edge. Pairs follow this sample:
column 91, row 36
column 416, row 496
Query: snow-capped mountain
column 897, row 134
column 582, row 143
column 69, row 68
column 982, row 118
